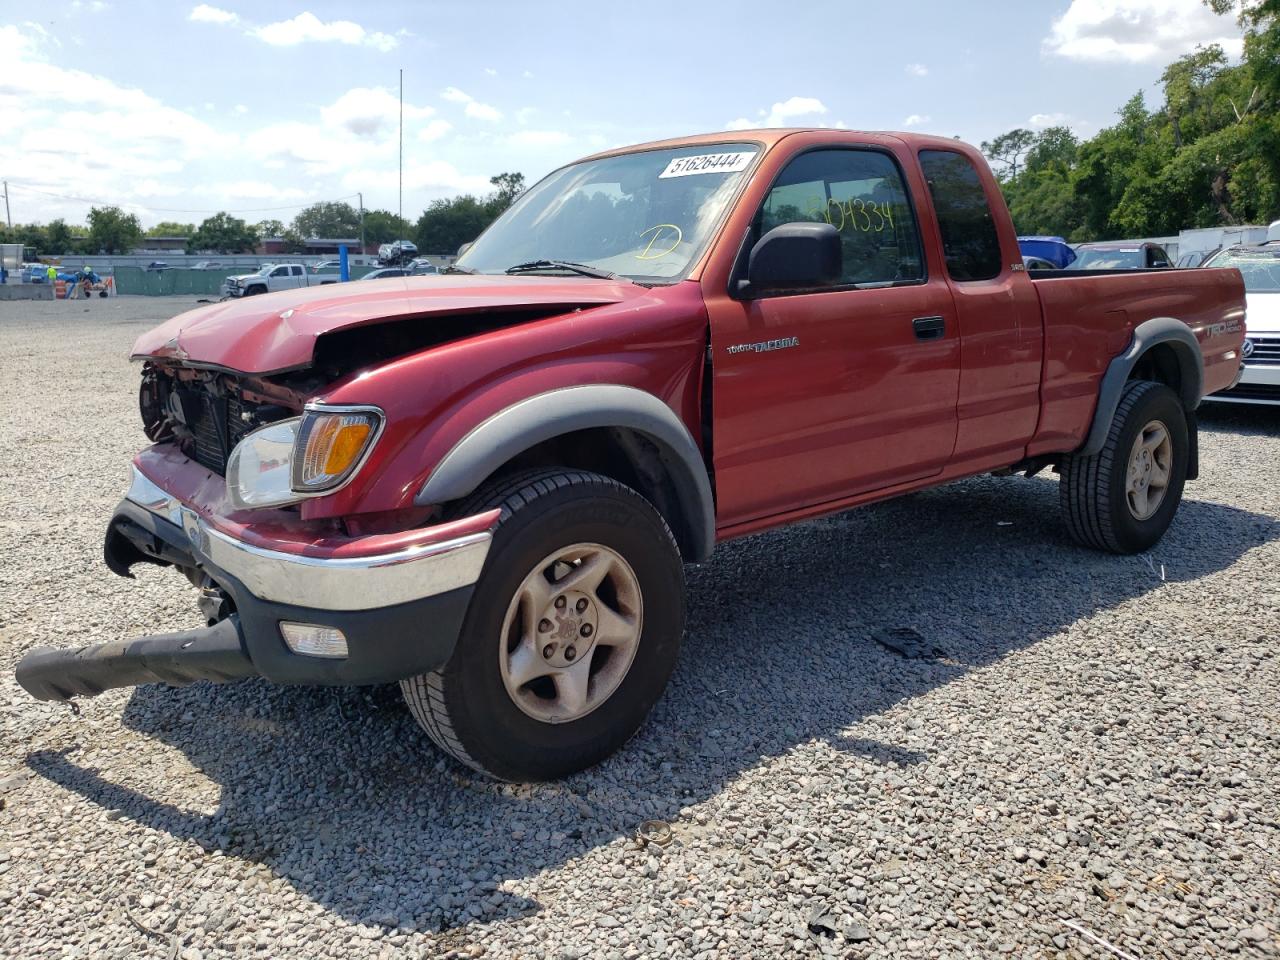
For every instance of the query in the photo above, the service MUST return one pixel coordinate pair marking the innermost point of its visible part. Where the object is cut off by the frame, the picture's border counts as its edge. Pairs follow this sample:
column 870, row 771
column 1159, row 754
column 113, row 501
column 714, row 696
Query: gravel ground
column 1097, row 744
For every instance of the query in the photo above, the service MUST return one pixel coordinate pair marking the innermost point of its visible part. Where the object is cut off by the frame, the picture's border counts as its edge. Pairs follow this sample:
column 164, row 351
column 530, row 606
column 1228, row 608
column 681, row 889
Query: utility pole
column 361, row 196
column 9, row 219
column 401, row 210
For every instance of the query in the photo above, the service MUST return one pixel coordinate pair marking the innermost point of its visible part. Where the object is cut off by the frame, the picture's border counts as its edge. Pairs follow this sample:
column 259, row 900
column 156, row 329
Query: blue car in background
column 35, row 273
column 1054, row 249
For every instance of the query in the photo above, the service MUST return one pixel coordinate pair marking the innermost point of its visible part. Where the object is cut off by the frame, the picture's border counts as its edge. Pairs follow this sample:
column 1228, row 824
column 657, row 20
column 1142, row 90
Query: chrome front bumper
column 360, row 582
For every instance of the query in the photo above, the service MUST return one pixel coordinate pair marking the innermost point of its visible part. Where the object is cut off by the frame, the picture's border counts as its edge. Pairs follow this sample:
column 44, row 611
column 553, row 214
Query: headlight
column 290, row 460
column 259, row 468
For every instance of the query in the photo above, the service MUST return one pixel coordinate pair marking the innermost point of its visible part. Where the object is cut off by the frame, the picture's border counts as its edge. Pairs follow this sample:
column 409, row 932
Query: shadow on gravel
column 341, row 795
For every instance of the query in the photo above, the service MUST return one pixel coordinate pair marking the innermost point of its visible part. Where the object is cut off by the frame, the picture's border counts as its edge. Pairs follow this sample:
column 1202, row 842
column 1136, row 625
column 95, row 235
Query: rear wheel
column 1123, row 498
column 571, row 635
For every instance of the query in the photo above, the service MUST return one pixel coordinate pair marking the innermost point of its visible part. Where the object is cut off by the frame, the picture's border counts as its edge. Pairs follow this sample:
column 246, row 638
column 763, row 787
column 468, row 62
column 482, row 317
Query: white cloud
column 539, row 138
column 490, row 71
column 241, row 108
column 434, row 130
column 528, row 74
column 306, row 27
column 474, row 108
column 917, row 70
column 436, row 176
column 916, row 120
column 207, row 14
column 1041, row 120
column 781, row 114
column 89, row 130
column 368, row 111
column 257, row 190
column 525, row 114
column 1137, row 31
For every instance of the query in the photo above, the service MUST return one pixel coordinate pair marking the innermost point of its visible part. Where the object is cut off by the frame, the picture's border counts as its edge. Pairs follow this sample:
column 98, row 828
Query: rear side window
column 969, row 238
column 862, row 195
column 297, row 271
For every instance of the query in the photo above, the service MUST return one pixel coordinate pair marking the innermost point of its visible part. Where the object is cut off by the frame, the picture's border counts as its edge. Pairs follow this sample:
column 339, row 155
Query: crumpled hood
column 1262, row 314
column 278, row 331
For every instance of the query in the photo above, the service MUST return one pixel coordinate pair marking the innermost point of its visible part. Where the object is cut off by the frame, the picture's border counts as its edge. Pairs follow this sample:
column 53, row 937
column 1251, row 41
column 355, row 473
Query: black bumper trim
column 211, row 653
column 385, row 644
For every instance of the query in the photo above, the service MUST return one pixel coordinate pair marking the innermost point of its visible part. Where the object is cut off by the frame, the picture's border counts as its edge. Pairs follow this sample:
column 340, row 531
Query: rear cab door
column 1000, row 321
column 822, row 395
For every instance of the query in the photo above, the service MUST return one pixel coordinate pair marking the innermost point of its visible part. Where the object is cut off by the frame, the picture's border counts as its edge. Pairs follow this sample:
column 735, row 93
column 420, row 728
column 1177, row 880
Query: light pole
column 361, row 197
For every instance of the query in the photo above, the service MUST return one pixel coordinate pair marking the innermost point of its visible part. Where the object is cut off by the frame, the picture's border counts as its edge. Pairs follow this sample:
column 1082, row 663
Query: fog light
column 313, row 640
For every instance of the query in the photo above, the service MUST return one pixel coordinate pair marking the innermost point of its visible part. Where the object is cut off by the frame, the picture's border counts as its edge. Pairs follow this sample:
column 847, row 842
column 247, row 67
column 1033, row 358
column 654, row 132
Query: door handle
column 929, row 328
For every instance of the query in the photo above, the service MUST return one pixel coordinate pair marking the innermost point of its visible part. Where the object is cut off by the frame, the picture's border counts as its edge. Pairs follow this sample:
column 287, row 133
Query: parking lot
column 1094, row 752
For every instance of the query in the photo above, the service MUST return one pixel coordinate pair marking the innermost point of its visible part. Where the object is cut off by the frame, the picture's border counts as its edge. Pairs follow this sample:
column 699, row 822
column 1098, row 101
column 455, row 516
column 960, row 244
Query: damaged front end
column 292, row 600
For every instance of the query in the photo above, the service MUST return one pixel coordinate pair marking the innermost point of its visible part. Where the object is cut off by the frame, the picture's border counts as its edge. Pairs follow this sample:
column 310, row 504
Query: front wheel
column 1123, row 498
column 571, row 635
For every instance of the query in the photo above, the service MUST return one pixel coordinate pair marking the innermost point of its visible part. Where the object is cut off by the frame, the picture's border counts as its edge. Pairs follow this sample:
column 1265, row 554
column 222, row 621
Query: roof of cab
column 770, row 136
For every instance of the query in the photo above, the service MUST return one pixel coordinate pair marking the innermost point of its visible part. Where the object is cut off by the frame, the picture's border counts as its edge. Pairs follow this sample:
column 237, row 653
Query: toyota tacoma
column 484, row 485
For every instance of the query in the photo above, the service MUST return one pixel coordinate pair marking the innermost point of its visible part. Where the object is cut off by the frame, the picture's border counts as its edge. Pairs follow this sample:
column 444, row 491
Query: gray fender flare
column 1146, row 335
column 524, row 425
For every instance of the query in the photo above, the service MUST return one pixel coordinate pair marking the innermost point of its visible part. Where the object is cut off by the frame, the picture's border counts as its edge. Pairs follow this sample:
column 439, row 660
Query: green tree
column 28, row 234
column 223, row 233
column 111, row 230
column 1006, row 151
column 269, row 228
column 58, row 236
column 1207, row 154
column 447, row 224
column 171, row 228
column 507, row 186
column 328, row 220
column 383, row 226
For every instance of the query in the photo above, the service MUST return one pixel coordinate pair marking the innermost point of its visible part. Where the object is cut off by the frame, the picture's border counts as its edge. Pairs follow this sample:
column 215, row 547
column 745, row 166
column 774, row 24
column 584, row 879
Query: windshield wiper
column 454, row 268
column 579, row 268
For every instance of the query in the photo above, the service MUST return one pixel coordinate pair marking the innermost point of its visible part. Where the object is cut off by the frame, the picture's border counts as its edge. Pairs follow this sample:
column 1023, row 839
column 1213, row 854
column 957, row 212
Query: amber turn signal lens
column 330, row 446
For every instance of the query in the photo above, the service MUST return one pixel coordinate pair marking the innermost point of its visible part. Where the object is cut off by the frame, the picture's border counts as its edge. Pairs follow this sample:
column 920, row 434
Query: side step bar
column 211, row 653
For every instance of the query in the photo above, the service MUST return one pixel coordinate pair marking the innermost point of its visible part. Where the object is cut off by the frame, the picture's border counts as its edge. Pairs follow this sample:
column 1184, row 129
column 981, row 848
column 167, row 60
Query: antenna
column 401, row 211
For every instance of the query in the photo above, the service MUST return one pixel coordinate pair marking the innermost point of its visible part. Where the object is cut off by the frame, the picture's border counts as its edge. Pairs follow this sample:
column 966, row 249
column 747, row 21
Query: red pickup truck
column 483, row 485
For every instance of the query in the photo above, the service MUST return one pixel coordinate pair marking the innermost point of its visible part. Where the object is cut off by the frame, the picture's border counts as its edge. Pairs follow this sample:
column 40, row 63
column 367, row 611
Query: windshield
column 1260, row 268
column 1107, row 260
column 646, row 216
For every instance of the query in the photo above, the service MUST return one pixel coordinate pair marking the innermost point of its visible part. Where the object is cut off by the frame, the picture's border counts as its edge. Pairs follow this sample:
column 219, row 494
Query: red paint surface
column 860, row 410
column 283, row 530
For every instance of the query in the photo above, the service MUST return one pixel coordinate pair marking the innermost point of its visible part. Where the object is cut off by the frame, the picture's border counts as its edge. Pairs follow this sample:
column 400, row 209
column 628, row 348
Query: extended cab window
column 297, row 271
column 861, row 194
column 969, row 238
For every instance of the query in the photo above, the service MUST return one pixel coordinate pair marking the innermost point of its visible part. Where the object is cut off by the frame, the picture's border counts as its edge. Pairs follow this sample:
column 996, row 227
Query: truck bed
column 1089, row 318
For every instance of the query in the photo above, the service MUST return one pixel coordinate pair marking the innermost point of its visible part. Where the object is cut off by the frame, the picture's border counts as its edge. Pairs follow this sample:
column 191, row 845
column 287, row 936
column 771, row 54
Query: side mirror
column 465, row 247
column 793, row 256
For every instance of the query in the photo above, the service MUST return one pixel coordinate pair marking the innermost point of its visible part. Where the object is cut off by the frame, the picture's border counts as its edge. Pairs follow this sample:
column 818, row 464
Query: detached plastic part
column 212, row 653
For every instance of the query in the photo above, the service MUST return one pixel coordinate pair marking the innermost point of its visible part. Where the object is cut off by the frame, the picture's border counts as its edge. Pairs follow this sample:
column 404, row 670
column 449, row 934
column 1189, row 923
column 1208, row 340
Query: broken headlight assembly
column 307, row 456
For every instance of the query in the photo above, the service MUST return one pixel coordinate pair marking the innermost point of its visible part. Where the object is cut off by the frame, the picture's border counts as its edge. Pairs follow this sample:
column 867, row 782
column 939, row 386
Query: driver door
column 820, row 395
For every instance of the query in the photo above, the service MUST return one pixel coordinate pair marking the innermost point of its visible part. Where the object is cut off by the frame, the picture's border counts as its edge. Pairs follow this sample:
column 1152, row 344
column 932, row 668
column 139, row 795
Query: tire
column 475, row 709
column 1095, row 490
column 255, row 291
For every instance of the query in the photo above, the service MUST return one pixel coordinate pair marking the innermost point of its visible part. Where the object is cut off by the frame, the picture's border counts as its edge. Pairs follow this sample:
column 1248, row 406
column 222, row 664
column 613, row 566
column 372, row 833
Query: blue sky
column 182, row 107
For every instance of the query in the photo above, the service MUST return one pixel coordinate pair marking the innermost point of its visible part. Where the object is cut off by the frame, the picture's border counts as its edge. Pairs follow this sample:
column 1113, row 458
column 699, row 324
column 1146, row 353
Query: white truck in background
column 271, row 277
